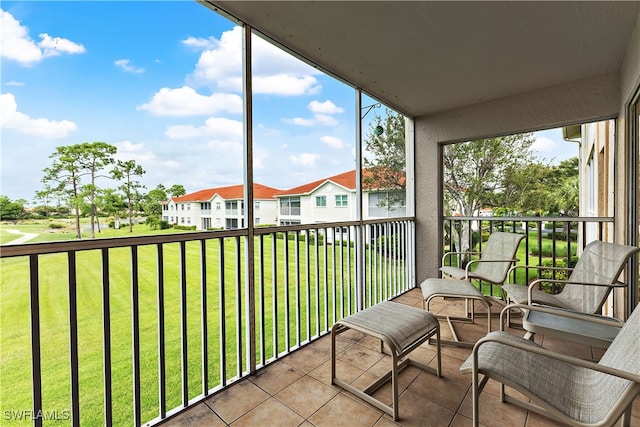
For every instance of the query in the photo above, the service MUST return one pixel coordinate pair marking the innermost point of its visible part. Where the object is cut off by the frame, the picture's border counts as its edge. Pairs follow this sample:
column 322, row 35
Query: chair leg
column 625, row 419
column 475, row 391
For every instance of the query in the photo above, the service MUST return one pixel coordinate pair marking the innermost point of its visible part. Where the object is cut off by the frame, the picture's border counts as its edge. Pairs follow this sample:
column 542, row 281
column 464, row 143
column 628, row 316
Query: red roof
column 345, row 179
column 228, row 193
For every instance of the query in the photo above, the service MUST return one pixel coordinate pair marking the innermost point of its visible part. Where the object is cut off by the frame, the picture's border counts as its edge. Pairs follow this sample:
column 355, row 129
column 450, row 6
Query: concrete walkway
column 24, row 238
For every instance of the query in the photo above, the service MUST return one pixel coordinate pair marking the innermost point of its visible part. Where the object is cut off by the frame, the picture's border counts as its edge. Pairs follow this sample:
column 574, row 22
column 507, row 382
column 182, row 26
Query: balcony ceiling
column 426, row 57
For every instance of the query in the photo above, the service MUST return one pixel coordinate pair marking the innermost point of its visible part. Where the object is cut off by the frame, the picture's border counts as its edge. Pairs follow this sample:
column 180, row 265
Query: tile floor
column 296, row 390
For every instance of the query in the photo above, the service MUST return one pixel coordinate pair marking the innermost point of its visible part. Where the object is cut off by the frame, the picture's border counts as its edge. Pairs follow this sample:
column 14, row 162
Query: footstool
column 401, row 329
column 451, row 288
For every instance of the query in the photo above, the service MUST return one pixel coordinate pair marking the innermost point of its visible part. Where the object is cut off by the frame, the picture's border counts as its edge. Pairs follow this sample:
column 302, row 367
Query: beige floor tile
column 199, row 415
column 535, row 420
column 237, row 400
column 306, row 395
column 306, row 359
column 275, row 377
column 359, row 356
column 343, row 410
column 416, row 411
column 270, row 413
column 493, row 412
column 344, row 371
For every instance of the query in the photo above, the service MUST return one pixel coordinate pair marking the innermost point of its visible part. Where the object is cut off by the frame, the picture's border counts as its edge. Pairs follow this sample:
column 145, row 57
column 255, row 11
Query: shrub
column 56, row 225
column 550, row 287
column 185, row 227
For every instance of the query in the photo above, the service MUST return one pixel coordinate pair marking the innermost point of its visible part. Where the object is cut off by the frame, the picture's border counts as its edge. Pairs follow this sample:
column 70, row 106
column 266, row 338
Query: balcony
column 297, row 390
column 144, row 328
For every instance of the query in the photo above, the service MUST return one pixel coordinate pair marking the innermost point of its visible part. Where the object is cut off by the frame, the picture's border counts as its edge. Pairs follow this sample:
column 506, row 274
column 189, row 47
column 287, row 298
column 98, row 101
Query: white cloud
column 151, row 163
column 305, row 159
column 17, row 45
column 332, row 141
column 274, row 71
column 125, row 64
column 322, row 114
column 200, row 43
column 11, row 118
column 185, row 101
column 54, row 46
column 286, row 85
column 214, row 126
column 543, row 145
column 14, row 83
column 326, row 107
column 324, row 119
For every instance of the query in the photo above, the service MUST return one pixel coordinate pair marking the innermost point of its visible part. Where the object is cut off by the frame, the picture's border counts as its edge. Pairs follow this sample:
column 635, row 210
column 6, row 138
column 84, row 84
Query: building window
column 181, row 206
column 290, row 206
column 321, row 201
column 341, row 200
column 172, row 220
column 256, row 206
column 217, row 206
column 181, row 220
column 256, row 221
column 188, row 206
column 188, row 220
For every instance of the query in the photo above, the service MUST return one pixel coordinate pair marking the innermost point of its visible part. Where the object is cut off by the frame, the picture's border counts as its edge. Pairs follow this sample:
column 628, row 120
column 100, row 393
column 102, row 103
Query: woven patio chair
column 493, row 263
column 564, row 388
column 492, row 266
column 587, row 287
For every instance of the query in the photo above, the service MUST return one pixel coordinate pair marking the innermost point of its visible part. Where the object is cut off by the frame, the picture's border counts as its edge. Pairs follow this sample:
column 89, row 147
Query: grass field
column 225, row 302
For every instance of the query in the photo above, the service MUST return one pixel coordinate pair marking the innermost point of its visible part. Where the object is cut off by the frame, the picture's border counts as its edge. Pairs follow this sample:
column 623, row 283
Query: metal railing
column 128, row 331
column 550, row 241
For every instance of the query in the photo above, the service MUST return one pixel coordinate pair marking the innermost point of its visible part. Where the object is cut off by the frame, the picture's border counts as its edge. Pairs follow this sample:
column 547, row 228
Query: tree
column 526, row 189
column 152, row 203
column 176, row 190
column 71, row 164
column 11, row 209
column 566, row 197
column 97, row 156
column 128, row 171
column 65, row 176
column 474, row 172
column 386, row 163
column 111, row 203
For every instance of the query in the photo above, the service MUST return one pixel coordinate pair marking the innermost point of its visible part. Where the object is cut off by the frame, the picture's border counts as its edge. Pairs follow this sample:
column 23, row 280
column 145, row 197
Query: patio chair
column 565, row 388
column 492, row 266
column 494, row 262
column 587, row 287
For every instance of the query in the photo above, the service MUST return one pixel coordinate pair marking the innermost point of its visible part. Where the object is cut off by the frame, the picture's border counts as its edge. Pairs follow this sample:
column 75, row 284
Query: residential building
column 334, row 199
column 221, row 208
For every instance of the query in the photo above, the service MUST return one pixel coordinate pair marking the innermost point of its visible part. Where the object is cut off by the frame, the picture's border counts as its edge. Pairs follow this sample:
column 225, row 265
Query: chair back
column 500, row 245
column 602, row 263
column 622, row 354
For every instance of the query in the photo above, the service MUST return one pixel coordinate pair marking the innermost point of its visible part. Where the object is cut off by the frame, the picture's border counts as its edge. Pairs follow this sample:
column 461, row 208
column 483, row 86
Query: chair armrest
column 539, row 267
column 444, row 257
column 568, row 282
column 527, row 346
column 601, row 320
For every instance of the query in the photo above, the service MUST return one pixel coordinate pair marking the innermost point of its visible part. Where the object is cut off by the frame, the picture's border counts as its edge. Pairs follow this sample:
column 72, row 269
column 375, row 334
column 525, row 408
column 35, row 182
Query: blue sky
column 162, row 82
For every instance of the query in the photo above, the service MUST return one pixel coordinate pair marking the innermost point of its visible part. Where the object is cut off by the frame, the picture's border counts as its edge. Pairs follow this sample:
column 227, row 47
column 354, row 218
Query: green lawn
column 15, row 370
